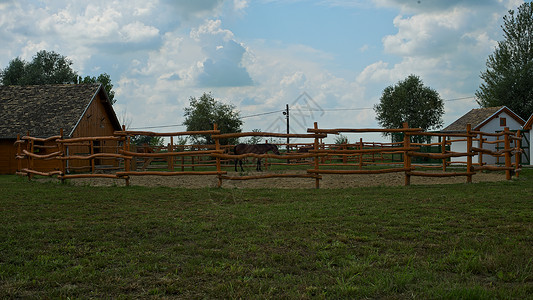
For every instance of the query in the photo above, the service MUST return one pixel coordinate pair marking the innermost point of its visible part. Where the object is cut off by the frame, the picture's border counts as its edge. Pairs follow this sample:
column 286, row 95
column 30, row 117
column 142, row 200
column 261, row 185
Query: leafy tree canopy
column 254, row 139
column 412, row 102
column 49, row 68
column 45, row 68
column 204, row 112
column 508, row 79
column 141, row 140
column 341, row 139
column 105, row 80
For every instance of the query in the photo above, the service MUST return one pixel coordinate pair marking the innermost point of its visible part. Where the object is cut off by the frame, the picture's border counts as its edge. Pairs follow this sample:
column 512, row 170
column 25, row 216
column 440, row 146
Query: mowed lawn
column 464, row 241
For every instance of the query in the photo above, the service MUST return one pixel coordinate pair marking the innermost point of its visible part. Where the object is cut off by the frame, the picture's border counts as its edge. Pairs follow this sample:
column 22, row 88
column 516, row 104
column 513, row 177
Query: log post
column 171, row 158
column 344, row 147
column 443, row 151
column 406, row 157
column 30, row 159
column 315, row 146
column 19, row 154
column 373, row 154
column 91, row 150
column 219, row 168
column 507, row 148
column 469, row 151
column 480, row 154
column 62, row 162
column 382, row 154
column 518, row 154
column 127, row 161
column 361, row 155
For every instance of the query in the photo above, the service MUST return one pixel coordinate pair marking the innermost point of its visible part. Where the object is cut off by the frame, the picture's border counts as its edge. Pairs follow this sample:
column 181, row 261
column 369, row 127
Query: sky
column 328, row 60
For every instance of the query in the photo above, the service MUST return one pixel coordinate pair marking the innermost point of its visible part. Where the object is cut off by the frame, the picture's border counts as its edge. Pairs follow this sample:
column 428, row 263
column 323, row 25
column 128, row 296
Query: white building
column 490, row 120
column 528, row 135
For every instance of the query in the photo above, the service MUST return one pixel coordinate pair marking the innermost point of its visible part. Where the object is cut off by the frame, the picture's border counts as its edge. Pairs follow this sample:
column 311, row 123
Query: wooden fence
column 120, row 161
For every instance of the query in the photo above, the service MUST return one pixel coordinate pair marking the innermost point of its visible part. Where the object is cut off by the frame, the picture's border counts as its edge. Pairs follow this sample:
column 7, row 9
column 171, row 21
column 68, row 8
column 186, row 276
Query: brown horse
column 255, row 148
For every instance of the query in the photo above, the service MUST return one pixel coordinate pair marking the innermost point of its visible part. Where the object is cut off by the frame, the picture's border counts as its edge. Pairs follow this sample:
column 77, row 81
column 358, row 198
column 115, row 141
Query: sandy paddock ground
column 327, row 181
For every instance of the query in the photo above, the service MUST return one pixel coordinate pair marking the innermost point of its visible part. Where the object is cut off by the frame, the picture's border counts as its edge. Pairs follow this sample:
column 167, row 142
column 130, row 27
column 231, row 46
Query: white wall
column 491, row 127
column 530, row 147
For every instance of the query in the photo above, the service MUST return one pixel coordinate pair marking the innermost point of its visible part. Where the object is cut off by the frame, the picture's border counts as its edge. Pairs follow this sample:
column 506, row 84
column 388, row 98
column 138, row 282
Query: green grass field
column 465, row 241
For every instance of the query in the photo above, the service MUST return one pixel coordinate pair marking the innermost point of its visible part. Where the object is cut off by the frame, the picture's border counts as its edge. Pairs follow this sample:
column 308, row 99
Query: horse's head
column 274, row 149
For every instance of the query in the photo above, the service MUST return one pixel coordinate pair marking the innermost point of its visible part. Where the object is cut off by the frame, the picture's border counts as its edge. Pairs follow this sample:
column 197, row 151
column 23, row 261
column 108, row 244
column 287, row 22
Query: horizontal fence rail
column 115, row 157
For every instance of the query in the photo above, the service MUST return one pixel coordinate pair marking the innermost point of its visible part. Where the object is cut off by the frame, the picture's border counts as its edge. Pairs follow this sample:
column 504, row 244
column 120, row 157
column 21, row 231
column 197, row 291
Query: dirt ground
column 327, row 181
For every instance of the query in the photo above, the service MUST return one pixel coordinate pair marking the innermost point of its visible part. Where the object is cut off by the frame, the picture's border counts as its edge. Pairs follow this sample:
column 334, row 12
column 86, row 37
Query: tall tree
column 45, row 68
column 412, row 102
column 204, row 112
column 15, row 73
column 508, row 79
column 105, row 80
column 49, row 68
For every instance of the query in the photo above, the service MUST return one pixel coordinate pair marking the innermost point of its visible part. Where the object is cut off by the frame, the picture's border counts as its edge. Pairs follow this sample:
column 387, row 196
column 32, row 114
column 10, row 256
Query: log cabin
column 42, row 111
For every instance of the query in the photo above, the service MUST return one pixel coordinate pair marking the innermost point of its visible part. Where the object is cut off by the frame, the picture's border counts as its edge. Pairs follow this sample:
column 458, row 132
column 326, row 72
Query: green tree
column 412, row 102
column 105, row 80
column 141, row 140
column 508, row 79
column 45, row 68
column 49, row 68
column 204, row 112
column 254, row 139
column 15, row 73
column 341, row 139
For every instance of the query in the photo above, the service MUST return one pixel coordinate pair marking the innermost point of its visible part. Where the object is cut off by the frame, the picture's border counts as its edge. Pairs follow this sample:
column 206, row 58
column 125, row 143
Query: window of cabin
column 503, row 122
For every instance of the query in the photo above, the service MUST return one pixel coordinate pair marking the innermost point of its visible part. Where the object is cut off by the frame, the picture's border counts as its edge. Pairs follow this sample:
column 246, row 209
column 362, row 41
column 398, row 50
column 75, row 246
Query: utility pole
column 286, row 113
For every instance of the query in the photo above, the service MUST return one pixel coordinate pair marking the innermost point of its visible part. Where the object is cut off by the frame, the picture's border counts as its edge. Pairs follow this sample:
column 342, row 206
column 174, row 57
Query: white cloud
column 136, row 32
column 240, row 5
column 162, row 52
column 212, row 32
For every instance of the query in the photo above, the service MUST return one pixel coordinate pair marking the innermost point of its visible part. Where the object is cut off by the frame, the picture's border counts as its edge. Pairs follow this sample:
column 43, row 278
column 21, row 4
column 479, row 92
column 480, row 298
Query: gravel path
column 328, row 181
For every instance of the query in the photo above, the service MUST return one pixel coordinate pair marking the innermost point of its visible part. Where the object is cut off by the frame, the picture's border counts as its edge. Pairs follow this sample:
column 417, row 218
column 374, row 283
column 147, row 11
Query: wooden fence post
column 443, row 151
column 171, row 158
column 507, row 148
column 469, row 152
column 361, row 155
column 19, row 154
column 62, row 162
column 406, row 157
column 91, row 151
column 315, row 146
column 219, row 168
column 518, row 154
column 30, row 159
column 344, row 147
column 127, row 162
column 480, row 154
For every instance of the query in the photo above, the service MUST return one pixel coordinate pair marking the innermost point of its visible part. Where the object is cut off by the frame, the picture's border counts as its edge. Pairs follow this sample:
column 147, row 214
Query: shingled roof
column 44, row 109
column 478, row 117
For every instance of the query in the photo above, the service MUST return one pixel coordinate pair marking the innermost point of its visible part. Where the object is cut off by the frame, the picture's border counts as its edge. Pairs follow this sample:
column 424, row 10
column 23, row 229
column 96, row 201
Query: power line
column 332, row 109
column 457, row 99
column 262, row 114
column 304, row 109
